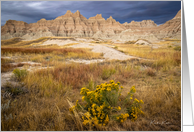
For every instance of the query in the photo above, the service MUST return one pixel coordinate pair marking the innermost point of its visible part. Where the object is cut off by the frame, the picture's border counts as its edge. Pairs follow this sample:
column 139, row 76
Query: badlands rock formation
column 76, row 25
column 171, row 28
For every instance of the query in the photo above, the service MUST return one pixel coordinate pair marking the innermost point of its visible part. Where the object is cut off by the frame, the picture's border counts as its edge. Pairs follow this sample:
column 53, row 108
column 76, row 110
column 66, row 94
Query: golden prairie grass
column 9, row 67
column 10, row 41
column 162, row 56
column 39, row 50
column 18, row 42
column 38, row 54
column 46, row 106
column 52, row 92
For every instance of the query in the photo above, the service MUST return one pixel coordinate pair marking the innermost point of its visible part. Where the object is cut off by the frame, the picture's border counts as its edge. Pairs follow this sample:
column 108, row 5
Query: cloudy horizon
column 121, row 11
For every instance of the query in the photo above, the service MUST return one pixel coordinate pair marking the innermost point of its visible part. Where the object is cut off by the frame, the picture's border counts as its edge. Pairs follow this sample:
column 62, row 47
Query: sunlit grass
column 161, row 56
column 18, row 42
column 51, row 92
column 63, row 52
column 160, row 91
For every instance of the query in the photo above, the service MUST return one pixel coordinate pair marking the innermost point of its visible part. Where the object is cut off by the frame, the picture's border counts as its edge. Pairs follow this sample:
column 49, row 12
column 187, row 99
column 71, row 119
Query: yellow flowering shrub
column 104, row 104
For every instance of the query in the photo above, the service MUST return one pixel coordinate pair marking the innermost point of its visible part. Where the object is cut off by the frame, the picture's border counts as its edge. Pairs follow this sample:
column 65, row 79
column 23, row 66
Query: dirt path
column 85, row 61
column 108, row 53
column 107, row 50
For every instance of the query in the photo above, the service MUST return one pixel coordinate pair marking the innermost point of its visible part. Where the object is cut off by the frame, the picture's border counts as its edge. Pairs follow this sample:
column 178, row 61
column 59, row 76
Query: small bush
column 105, row 104
column 19, row 74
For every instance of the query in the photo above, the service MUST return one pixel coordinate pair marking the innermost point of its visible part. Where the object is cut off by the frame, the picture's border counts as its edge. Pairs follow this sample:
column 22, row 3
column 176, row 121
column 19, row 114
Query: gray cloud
column 122, row 11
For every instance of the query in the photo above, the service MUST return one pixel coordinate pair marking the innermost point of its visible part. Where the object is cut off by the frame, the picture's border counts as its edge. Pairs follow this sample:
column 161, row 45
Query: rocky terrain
column 76, row 25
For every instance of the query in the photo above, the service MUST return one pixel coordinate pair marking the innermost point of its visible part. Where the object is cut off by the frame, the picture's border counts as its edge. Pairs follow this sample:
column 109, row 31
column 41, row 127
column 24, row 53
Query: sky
column 121, row 11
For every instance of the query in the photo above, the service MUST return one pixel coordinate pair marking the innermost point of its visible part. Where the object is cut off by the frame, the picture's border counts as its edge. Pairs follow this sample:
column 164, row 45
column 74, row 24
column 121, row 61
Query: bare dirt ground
column 108, row 53
column 85, row 61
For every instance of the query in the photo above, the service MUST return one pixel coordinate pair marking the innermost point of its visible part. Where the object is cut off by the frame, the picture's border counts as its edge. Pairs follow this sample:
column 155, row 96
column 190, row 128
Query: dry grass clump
column 9, row 67
column 39, row 50
column 6, row 66
column 75, row 75
column 5, row 60
column 151, row 72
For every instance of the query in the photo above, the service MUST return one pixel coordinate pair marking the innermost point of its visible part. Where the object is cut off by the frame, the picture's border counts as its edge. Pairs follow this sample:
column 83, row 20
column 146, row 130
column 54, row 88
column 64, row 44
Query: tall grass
column 39, row 50
column 65, row 52
column 46, row 106
column 162, row 56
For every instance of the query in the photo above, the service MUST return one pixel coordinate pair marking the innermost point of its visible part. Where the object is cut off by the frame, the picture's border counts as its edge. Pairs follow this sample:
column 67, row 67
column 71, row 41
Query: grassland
column 46, row 56
column 46, row 104
column 18, row 42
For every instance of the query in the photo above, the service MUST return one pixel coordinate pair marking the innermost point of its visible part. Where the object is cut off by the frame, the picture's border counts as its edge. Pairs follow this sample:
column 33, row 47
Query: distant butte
column 76, row 25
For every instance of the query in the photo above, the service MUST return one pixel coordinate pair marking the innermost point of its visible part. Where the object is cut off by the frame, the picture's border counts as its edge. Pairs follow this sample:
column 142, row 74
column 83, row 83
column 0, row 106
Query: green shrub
column 105, row 104
column 19, row 74
column 177, row 48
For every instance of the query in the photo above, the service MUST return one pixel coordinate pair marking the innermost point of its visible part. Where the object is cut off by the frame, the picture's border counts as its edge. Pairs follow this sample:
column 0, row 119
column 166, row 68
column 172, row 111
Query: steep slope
column 170, row 29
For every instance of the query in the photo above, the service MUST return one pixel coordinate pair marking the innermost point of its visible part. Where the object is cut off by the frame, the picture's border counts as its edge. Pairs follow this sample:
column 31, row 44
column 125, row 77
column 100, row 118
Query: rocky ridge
column 76, row 25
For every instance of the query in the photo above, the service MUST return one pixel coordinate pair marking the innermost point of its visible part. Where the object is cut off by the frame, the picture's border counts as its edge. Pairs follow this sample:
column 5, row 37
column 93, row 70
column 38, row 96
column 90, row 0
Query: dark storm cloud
column 122, row 11
column 159, row 12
